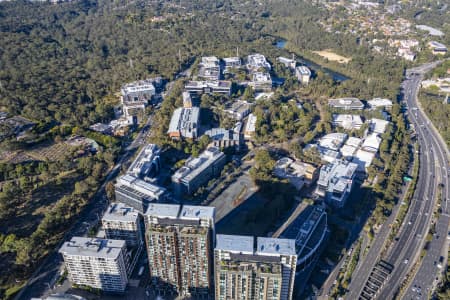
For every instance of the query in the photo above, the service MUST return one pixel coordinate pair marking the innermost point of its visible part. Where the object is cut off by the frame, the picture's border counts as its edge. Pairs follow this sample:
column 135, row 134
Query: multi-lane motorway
column 433, row 171
column 404, row 252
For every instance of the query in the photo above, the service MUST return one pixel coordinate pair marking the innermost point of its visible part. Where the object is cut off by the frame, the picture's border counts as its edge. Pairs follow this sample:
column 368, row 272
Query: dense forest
column 64, row 64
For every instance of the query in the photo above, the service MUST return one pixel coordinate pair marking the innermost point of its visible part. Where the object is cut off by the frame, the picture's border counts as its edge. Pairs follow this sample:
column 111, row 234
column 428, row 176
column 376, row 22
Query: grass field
column 331, row 56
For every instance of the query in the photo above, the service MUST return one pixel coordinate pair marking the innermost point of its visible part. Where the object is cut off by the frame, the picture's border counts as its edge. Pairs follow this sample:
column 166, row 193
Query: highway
column 427, row 275
column 405, row 251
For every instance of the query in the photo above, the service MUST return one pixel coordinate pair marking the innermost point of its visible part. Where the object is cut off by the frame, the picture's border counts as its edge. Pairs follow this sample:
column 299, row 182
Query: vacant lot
column 333, row 56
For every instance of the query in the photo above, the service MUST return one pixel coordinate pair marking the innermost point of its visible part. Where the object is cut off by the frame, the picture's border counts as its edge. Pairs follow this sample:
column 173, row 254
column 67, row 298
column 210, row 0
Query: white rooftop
column 275, row 247
column 93, row 247
column 163, row 210
column 193, row 212
column 371, row 143
column 379, row 102
column 333, row 141
column 120, row 212
column 378, row 125
column 141, row 186
column 235, row 243
column 251, row 123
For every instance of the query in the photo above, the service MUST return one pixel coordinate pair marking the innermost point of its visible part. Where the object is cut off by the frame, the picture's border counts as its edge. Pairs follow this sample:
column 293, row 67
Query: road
column 434, row 164
column 427, row 275
column 404, row 252
column 48, row 272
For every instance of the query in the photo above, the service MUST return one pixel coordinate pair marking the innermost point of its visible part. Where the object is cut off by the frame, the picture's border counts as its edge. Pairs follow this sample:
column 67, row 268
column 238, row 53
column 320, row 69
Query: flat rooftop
column 235, row 243
column 274, row 246
column 163, row 210
column 195, row 212
column 120, row 212
column 140, row 186
column 93, row 247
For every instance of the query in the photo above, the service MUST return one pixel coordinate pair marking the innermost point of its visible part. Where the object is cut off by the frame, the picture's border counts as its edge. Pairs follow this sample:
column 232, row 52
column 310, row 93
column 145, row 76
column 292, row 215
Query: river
column 313, row 66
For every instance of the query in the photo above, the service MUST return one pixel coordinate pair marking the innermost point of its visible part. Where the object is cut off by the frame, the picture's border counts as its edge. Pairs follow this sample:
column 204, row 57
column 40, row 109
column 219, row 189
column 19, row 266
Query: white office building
column 335, row 182
column 147, row 162
column 97, row 263
column 198, row 170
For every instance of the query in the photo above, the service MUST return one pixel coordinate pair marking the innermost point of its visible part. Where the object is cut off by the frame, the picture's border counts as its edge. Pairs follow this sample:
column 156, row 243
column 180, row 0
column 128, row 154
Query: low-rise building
column 378, row 125
column 363, row 159
column 138, row 193
column 350, row 147
column 346, row 103
column 437, row 48
column 147, row 163
column 261, row 82
column 102, row 128
column 349, row 122
column 371, row 143
column 123, row 222
column 198, row 170
column 287, row 62
column 209, row 68
column 232, row 62
column 184, row 123
column 239, row 109
column 243, row 272
column 209, row 87
column 250, row 126
column 333, row 141
column 442, row 84
column 257, row 61
column 303, row 74
column 335, row 182
column 299, row 173
column 136, row 95
column 225, row 138
column 406, row 53
column 97, row 263
column 380, row 103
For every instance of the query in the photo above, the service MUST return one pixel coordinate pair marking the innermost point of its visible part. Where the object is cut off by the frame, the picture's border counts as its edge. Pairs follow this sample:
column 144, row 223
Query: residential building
column 184, row 123
column 209, row 68
column 335, row 182
column 138, row 193
column 346, row 103
column 250, row 126
column 198, row 170
column 179, row 244
column 232, row 62
column 303, row 74
column 147, row 163
column 257, row 61
column 123, row 222
column 225, row 138
column 97, row 263
column 437, row 48
column 348, row 122
column 239, row 109
column 380, row 103
column 287, row 62
column 209, row 87
column 243, row 272
column 299, row 173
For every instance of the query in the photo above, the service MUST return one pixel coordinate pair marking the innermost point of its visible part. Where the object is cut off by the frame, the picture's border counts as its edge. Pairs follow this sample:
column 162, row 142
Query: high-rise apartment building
column 179, row 244
column 123, row 222
column 98, row 263
column 243, row 272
